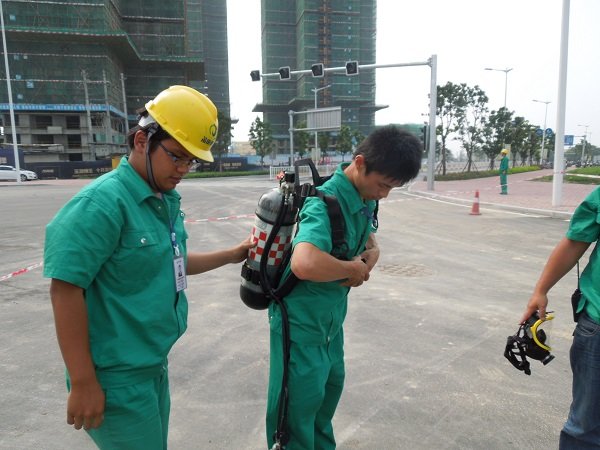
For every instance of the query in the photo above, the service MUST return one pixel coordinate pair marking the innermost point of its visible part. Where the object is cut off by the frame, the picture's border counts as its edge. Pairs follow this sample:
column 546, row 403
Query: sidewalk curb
column 542, row 212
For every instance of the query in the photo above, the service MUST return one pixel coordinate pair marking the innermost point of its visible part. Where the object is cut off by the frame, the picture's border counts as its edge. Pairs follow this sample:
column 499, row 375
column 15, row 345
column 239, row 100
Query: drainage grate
column 406, row 270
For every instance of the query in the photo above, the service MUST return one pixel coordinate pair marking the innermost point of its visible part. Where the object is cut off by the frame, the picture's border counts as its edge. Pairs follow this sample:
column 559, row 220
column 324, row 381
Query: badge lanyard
column 178, row 262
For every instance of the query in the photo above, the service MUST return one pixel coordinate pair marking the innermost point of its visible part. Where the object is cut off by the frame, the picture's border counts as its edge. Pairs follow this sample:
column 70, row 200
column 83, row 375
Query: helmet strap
column 151, row 130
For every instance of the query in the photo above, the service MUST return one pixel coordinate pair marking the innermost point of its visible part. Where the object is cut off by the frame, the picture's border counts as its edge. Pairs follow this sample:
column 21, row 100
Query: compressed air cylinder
column 267, row 212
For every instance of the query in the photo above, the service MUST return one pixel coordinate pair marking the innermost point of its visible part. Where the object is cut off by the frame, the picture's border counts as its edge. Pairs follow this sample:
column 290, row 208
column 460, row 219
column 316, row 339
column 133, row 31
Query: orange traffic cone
column 475, row 207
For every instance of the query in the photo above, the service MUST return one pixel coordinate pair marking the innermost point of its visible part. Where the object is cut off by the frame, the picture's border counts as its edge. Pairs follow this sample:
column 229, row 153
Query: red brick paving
column 523, row 192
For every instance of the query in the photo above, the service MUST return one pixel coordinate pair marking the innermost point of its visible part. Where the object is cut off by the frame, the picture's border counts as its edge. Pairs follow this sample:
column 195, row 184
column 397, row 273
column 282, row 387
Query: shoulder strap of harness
column 334, row 211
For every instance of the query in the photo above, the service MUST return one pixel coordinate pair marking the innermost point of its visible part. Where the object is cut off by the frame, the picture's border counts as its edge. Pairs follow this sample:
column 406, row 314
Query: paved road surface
column 424, row 337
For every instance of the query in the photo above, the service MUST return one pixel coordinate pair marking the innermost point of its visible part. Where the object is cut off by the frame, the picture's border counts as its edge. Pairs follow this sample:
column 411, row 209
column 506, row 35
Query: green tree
column 323, row 139
column 519, row 133
column 473, row 122
column 584, row 148
column 532, row 144
column 494, row 134
column 301, row 139
column 344, row 141
column 223, row 139
column 451, row 106
column 549, row 147
column 261, row 138
column 358, row 138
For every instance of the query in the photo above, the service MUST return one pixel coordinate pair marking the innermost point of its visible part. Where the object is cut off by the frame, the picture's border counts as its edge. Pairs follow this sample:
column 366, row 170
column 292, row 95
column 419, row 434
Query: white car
column 10, row 173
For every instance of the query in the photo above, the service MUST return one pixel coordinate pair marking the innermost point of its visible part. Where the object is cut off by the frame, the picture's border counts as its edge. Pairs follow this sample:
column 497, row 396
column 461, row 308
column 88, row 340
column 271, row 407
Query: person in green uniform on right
column 504, row 172
column 316, row 307
column 581, row 430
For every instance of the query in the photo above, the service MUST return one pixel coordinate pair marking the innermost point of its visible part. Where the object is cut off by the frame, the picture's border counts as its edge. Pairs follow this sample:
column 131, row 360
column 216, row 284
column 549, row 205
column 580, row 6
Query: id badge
column 180, row 278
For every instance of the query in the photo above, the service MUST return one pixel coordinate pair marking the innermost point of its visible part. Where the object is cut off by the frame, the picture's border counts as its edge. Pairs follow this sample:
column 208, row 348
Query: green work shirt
column 504, row 164
column 113, row 240
column 585, row 227
column 316, row 311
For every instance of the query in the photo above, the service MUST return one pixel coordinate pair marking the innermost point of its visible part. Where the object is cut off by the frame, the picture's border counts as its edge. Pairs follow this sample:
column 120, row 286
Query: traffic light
column 352, row 68
column 255, row 75
column 317, row 70
column 284, row 73
column 424, row 135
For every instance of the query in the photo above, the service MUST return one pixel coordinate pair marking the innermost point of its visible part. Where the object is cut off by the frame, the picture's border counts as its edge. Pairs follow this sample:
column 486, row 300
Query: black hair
column 158, row 136
column 392, row 152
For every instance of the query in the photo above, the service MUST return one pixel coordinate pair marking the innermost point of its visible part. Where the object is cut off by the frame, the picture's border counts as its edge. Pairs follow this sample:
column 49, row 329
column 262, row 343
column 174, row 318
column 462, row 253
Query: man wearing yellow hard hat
column 117, row 257
column 504, row 172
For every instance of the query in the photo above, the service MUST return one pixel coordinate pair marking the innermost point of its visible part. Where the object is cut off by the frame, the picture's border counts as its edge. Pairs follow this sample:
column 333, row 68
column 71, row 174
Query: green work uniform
column 113, row 239
column 504, row 175
column 585, row 227
column 316, row 313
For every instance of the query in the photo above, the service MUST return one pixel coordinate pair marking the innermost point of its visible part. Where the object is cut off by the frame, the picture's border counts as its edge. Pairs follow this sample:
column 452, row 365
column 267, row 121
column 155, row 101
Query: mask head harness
column 151, row 127
column 529, row 341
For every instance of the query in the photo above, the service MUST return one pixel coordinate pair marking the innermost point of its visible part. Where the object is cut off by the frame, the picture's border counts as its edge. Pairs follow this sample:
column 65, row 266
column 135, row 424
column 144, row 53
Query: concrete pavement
column 424, row 337
column 524, row 193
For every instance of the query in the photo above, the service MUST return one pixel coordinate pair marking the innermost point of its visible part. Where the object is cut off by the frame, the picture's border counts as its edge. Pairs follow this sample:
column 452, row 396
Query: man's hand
column 371, row 254
column 537, row 302
column 85, row 406
column 239, row 253
column 359, row 272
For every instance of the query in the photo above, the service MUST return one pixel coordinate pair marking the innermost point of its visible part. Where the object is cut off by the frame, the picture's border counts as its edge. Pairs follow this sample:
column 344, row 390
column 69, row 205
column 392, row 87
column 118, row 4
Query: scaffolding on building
column 129, row 50
column 300, row 34
column 52, row 41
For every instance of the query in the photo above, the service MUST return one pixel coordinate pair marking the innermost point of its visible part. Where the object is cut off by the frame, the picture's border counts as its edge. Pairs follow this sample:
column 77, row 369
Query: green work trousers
column 136, row 416
column 504, row 183
column 315, row 383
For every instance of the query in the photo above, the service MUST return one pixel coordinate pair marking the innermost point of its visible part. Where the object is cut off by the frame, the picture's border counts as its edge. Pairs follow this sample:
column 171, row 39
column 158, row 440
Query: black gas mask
column 529, row 341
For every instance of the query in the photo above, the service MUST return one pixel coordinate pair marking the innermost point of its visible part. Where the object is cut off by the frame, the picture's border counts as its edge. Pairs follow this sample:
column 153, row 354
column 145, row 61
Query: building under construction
column 299, row 34
column 79, row 69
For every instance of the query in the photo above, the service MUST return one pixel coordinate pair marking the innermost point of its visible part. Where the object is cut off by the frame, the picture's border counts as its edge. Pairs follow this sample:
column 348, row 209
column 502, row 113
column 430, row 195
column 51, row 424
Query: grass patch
column 482, row 173
column 586, row 170
column 567, row 178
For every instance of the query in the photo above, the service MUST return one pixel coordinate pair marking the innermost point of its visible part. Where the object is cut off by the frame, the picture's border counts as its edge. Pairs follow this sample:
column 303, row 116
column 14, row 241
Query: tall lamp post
column 584, row 142
column 317, row 152
column 544, row 130
column 505, row 92
column 10, row 101
column 505, row 80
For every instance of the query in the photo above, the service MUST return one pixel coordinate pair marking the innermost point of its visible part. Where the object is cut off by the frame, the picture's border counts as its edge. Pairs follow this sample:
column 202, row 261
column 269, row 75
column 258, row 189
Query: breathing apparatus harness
column 530, row 341
column 257, row 290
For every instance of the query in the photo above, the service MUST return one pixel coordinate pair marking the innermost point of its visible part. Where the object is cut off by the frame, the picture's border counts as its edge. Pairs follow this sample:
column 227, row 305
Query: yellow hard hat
column 504, row 151
column 188, row 116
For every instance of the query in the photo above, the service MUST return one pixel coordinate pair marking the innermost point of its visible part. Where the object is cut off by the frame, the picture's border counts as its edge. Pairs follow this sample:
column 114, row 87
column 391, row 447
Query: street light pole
column 505, row 80
column 10, row 100
column 544, row 129
column 584, row 142
column 505, row 94
column 317, row 152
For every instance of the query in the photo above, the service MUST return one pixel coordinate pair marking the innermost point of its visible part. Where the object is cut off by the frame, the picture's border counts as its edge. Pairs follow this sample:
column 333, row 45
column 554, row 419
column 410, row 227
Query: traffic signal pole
column 353, row 68
column 432, row 127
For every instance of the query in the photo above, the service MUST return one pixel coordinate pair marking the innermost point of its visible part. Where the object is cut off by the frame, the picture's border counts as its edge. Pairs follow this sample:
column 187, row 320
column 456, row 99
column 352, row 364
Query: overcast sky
column 467, row 36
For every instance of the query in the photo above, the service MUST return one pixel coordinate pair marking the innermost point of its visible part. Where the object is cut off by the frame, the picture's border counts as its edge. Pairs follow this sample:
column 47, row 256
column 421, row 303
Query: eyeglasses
column 178, row 160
